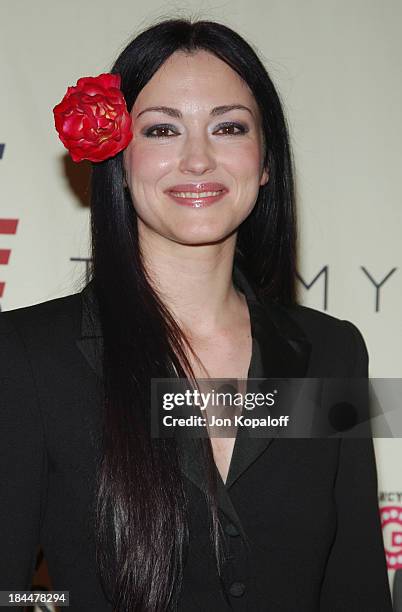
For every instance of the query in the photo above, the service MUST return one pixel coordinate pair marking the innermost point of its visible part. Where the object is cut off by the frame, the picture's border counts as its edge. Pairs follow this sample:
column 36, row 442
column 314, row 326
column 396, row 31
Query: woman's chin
column 197, row 237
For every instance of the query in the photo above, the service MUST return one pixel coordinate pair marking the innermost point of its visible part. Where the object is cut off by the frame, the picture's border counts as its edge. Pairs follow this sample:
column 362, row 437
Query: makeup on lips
column 197, row 195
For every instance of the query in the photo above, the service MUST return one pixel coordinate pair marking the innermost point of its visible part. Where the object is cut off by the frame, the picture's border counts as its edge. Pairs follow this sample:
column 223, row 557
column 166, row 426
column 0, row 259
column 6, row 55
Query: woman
column 191, row 285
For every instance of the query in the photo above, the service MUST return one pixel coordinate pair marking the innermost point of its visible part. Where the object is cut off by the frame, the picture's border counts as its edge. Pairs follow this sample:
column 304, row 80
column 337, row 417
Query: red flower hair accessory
column 92, row 119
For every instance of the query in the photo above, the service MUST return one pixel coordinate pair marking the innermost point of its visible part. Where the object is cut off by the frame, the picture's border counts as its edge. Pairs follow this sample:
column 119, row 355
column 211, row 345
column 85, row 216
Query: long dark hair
column 141, row 505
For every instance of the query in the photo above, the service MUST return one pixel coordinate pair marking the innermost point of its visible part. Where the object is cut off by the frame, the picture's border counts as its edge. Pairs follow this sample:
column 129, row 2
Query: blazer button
column 231, row 529
column 237, row 589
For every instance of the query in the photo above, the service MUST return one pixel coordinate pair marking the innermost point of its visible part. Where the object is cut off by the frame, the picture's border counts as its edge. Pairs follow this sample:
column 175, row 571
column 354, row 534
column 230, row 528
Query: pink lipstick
column 197, row 195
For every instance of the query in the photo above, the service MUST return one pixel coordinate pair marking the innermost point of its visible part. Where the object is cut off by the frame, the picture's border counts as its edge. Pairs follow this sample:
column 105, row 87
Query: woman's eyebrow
column 174, row 112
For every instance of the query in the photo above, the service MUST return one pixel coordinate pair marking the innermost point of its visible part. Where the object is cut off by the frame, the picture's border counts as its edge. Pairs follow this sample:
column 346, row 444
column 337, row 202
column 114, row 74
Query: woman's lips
column 199, row 201
column 201, row 186
column 198, row 198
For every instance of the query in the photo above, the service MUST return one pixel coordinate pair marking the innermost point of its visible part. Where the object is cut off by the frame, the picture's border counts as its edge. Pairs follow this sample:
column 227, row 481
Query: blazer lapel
column 90, row 342
column 280, row 351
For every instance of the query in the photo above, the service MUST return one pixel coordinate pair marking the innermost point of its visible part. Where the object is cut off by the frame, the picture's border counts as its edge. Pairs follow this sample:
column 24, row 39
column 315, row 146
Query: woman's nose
column 197, row 155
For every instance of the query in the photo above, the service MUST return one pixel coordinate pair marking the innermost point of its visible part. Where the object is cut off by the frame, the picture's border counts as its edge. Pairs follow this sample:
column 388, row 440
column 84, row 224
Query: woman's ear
column 264, row 177
column 124, row 179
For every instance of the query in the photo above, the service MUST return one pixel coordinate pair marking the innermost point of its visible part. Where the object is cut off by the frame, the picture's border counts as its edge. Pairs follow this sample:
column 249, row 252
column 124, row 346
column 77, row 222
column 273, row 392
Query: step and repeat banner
column 337, row 66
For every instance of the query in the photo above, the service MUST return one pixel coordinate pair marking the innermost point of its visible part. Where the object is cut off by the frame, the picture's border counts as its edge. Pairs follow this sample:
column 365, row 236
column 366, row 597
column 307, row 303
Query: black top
column 307, row 507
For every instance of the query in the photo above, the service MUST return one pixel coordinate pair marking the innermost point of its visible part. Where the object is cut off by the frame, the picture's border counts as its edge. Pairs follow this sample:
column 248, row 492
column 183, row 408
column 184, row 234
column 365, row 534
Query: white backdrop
column 337, row 65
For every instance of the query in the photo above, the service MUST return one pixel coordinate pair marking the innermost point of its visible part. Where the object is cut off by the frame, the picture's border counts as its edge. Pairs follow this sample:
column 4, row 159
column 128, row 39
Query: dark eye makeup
column 165, row 127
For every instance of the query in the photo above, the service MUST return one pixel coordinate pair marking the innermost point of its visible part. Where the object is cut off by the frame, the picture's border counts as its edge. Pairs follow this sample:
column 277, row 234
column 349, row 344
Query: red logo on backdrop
column 391, row 522
column 7, row 226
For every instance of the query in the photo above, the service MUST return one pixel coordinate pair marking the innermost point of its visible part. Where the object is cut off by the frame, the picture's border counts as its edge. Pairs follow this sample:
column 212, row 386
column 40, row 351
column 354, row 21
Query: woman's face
column 190, row 145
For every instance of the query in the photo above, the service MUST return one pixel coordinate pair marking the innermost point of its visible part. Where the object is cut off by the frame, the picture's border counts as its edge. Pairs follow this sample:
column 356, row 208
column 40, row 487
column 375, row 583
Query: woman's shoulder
column 315, row 322
column 38, row 349
column 330, row 337
column 60, row 314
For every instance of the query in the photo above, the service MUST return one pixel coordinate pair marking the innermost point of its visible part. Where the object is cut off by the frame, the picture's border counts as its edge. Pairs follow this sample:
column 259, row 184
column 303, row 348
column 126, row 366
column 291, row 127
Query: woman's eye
column 228, row 127
column 162, row 129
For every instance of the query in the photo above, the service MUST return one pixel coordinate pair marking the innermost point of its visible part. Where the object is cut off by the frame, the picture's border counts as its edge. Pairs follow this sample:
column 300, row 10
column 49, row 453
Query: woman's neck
column 195, row 282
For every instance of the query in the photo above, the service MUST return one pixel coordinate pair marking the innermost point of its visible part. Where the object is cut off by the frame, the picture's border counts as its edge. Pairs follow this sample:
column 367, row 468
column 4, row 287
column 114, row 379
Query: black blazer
column 307, row 507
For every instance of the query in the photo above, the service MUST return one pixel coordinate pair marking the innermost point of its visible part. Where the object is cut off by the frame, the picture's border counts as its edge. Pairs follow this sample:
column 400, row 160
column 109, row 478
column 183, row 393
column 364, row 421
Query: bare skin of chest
column 227, row 356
